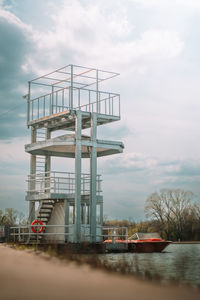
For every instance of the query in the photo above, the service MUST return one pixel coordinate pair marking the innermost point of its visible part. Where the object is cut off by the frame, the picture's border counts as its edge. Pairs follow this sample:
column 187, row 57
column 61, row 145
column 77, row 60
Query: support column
column 66, row 212
column 32, row 177
column 47, row 164
column 78, row 177
column 93, row 176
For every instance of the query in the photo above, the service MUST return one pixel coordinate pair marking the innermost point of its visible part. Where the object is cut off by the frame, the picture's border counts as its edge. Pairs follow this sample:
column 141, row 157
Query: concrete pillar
column 66, row 212
column 78, row 177
column 93, row 176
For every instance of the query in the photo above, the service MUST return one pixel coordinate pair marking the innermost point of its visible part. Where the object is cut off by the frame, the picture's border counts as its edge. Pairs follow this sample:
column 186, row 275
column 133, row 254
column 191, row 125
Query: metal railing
column 60, row 182
column 115, row 233
column 23, row 233
column 76, row 99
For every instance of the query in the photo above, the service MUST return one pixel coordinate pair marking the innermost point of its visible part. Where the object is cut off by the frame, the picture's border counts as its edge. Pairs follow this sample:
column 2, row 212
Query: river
column 177, row 261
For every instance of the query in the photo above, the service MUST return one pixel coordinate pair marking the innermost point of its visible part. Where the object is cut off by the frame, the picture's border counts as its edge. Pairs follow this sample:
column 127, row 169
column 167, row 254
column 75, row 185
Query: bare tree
column 171, row 209
column 11, row 217
column 181, row 208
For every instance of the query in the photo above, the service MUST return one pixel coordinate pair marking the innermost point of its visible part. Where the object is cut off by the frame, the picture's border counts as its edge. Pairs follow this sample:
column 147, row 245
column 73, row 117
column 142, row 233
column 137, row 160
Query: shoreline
column 186, row 242
column 28, row 275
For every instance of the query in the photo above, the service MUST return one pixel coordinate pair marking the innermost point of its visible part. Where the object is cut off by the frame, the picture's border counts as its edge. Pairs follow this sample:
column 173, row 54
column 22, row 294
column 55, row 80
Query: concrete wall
column 57, row 218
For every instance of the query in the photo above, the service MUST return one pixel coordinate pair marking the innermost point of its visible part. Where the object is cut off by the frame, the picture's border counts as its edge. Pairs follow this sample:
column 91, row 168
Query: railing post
column 109, row 103
column 44, row 106
column 56, row 102
column 63, row 99
column 38, row 108
column 50, row 104
column 79, row 99
column 89, row 101
column 52, row 93
column 71, row 94
column 97, row 91
column 28, row 102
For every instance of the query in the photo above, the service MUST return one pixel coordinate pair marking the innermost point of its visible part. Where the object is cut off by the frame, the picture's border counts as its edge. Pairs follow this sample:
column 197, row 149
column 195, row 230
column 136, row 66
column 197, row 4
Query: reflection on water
column 177, row 261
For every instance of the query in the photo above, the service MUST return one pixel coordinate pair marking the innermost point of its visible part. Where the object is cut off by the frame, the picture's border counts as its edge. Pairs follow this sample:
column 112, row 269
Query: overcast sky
column 154, row 45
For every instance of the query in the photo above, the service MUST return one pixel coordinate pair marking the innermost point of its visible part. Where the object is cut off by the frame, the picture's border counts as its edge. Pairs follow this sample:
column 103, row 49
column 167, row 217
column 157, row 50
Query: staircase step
column 43, row 215
column 47, row 206
column 45, row 210
column 43, row 219
column 48, row 201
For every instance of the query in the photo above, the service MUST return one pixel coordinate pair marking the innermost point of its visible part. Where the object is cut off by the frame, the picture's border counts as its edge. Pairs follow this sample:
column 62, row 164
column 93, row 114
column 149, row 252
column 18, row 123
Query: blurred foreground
column 26, row 275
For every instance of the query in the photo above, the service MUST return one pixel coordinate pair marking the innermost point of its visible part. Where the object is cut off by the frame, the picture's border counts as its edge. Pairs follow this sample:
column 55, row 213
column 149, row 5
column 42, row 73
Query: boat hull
column 147, row 247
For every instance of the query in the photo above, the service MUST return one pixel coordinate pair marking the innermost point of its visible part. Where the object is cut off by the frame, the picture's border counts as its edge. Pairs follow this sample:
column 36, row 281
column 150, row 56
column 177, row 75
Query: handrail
column 74, row 88
column 114, row 235
column 43, row 182
column 82, row 99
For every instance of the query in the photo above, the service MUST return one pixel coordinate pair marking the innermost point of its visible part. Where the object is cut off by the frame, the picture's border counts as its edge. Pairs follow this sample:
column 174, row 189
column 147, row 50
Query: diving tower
column 69, row 100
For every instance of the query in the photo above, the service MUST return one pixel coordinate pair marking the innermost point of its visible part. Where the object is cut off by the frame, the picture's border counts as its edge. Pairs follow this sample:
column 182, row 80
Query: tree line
column 170, row 212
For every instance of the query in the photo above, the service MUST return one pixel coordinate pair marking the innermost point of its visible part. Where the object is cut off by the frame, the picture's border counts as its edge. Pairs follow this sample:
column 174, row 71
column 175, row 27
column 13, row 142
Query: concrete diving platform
column 64, row 146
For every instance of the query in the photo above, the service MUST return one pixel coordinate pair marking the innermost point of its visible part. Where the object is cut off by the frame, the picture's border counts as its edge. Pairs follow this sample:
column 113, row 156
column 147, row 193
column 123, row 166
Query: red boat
column 147, row 242
column 143, row 242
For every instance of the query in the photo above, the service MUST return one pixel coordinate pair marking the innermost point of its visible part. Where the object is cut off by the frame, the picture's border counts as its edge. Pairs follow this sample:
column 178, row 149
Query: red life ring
column 35, row 229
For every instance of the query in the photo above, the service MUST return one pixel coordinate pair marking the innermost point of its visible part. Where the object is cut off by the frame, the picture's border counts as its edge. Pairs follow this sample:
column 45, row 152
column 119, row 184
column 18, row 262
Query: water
column 177, row 261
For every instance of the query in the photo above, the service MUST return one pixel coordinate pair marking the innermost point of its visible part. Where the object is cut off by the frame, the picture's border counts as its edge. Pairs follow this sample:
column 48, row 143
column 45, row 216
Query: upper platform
column 54, row 98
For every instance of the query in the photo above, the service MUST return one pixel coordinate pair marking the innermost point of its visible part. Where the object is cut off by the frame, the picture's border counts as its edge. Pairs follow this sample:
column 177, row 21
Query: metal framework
column 61, row 100
column 67, row 89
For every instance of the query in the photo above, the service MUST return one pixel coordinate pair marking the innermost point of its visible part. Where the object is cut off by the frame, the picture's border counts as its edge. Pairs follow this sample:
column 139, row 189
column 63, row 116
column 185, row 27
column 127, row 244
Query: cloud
column 153, row 168
column 192, row 4
column 16, row 44
column 130, row 178
column 84, row 30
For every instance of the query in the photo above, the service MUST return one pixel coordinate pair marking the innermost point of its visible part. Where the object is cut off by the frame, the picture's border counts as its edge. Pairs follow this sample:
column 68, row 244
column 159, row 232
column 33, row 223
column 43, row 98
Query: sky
column 154, row 45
